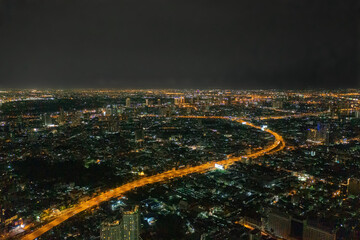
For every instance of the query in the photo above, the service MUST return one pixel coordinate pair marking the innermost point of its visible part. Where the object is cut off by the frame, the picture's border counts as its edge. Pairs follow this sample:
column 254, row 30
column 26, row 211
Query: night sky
column 235, row 44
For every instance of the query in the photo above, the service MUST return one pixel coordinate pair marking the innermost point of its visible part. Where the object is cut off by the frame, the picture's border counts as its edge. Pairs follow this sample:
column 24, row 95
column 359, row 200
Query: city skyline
column 185, row 162
column 180, row 120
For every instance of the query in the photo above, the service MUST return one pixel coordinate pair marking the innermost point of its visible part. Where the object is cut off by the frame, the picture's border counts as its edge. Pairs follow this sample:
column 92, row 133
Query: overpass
column 277, row 145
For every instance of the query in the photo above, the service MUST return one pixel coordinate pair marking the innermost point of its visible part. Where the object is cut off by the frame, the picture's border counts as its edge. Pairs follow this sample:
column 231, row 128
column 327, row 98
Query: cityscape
column 180, row 164
column 179, row 120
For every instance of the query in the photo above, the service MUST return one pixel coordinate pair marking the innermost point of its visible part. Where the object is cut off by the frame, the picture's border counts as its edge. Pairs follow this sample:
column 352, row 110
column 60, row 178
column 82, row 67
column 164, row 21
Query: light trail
column 277, row 145
column 294, row 116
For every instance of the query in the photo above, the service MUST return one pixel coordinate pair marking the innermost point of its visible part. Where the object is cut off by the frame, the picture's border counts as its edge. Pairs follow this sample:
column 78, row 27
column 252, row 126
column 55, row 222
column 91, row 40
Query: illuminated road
column 294, row 116
column 277, row 145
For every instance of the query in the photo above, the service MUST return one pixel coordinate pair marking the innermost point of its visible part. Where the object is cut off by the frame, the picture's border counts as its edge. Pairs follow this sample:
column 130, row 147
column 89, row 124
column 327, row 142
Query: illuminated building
column 127, row 229
column 61, row 117
column 218, row 166
column 357, row 114
column 110, row 231
column 343, row 190
column 131, row 224
column 319, row 135
column 179, row 100
column 128, row 102
column 111, row 110
column 146, row 102
column 176, row 101
column 76, row 119
column 229, row 100
column 113, row 124
column 182, row 100
column 277, row 104
column 46, row 119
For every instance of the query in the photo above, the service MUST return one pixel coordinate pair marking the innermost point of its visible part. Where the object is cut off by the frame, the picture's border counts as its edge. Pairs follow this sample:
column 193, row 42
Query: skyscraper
column 61, row 116
column 179, row 100
column 76, row 119
column 111, row 231
column 353, row 186
column 47, row 119
column 131, row 224
column 278, row 104
column 127, row 229
column 128, row 102
column 319, row 135
column 312, row 232
column 279, row 224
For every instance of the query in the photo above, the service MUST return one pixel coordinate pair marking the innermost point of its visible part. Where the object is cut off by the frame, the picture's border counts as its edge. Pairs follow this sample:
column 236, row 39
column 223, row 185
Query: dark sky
column 238, row 44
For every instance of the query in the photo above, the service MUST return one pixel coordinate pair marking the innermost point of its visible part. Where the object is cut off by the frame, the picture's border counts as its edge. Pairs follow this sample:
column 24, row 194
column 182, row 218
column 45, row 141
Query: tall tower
column 46, row 119
column 61, row 116
column 131, row 224
column 128, row 102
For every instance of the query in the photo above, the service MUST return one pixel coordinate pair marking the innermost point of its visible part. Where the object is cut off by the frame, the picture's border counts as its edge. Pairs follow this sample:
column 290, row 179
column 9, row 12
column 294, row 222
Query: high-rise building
column 297, row 228
column 317, row 233
column 319, row 135
column 113, row 124
column 113, row 110
column 357, row 114
column 111, row 231
column 61, row 117
column 179, row 100
column 278, row 104
column 76, row 119
column 182, row 100
column 46, row 119
column 146, row 102
column 127, row 229
column 176, row 101
column 139, row 135
column 131, row 224
column 343, row 190
column 229, row 100
column 128, row 102
column 19, row 123
column 353, row 186
column 279, row 224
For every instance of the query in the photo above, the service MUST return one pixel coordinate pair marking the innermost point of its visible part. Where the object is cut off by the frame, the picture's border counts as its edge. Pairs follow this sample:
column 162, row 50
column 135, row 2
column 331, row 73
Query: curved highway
column 277, row 145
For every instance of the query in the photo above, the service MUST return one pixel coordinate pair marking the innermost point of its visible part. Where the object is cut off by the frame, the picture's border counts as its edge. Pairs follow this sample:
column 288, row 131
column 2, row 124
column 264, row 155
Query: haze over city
column 176, row 120
column 235, row 44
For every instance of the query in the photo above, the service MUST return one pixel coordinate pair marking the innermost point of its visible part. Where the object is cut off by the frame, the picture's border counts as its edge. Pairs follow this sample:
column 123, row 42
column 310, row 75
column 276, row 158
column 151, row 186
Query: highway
column 277, row 145
column 293, row 116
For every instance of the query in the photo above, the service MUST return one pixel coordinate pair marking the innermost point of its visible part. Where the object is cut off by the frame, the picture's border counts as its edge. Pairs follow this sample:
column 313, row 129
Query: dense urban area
column 180, row 164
